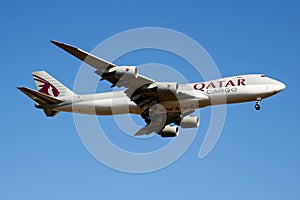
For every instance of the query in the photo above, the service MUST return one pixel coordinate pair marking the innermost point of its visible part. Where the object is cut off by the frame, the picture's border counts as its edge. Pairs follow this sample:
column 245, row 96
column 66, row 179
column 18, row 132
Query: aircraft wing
column 105, row 69
column 145, row 92
column 141, row 89
column 158, row 123
column 154, row 126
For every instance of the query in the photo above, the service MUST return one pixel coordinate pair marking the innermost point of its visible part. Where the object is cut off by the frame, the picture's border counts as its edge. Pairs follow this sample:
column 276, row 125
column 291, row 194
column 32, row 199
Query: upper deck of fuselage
column 248, row 79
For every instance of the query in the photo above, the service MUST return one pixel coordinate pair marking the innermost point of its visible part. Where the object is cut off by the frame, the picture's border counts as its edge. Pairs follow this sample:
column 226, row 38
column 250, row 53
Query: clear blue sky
column 257, row 156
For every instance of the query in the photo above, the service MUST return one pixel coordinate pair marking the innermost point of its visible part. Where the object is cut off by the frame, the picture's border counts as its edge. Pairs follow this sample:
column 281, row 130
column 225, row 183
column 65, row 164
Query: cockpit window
column 263, row 75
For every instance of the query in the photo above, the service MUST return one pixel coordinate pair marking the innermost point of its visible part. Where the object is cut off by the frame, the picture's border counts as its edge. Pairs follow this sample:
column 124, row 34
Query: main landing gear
column 257, row 104
column 145, row 115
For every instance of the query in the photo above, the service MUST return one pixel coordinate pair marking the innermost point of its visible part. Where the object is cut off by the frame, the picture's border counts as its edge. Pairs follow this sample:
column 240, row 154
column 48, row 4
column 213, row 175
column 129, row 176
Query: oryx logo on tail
column 45, row 87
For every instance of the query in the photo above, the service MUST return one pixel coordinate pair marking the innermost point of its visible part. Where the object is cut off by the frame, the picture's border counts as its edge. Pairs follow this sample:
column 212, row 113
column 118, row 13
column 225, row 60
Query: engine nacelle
column 189, row 122
column 126, row 72
column 169, row 131
column 163, row 87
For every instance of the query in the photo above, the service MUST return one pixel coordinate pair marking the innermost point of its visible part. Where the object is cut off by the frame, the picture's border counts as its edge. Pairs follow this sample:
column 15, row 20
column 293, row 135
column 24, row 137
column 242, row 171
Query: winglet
column 60, row 44
column 71, row 49
column 55, row 42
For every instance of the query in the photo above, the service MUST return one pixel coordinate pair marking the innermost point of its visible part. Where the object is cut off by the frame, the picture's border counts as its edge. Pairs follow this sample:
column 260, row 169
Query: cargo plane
column 164, row 106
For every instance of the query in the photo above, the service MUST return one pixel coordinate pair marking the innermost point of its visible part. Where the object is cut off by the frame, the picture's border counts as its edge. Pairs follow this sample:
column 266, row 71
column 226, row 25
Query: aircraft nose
column 280, row 86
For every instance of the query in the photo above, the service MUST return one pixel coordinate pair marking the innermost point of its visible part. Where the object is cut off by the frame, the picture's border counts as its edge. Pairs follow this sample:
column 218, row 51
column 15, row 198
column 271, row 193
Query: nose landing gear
column 257, row 104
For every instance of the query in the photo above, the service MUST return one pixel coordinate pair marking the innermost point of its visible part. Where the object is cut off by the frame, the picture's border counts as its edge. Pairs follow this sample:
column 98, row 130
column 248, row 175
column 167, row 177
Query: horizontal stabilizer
column 39, row 97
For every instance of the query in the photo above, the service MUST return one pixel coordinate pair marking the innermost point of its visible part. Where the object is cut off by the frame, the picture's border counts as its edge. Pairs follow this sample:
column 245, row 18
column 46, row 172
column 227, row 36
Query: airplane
column 164, row 106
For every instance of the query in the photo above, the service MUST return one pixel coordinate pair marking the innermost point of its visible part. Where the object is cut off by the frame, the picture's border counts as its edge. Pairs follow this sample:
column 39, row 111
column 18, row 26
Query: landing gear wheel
column 147, row 120
column 257, row 106
column 145, row 116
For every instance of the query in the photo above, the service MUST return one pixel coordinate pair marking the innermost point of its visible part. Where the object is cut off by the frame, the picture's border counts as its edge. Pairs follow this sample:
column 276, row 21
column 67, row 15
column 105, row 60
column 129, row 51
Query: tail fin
column 48, row 85
column 50, row 92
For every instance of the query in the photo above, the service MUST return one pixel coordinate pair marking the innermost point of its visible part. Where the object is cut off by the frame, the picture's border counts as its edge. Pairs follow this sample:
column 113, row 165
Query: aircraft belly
column 116, row 106
column 103, row 107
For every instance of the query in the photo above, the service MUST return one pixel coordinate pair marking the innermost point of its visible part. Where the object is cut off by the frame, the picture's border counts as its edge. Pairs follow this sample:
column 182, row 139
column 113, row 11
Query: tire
column 257, row 106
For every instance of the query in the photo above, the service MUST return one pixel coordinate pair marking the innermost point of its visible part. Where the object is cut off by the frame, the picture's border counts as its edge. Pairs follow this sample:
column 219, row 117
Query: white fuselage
column 233, row 89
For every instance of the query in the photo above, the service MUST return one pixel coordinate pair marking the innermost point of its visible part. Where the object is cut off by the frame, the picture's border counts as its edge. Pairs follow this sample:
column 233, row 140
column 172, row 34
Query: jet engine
column 164, row 87
column 169, row 131
column 189, row 122
column 130, row 72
